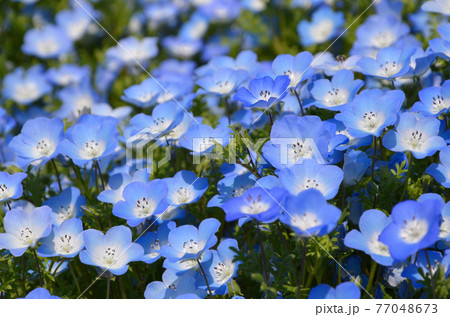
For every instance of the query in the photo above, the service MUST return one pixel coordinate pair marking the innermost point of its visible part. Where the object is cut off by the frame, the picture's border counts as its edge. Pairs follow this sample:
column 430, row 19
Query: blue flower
column 231, row 186
column 296, row 67
column 76, row 100
column 182, row 47
column 76, row 22
column 92, row 138
column 48, row 42
column 442, row 45
column 23, row 229
column 131, row 50
column 201, row 138
column 445, row 225
column 294, row 139
column 420, row 136
column 40, row 293
column 174, row 285
column 422, row 259
column 68, row 74
column 414, row 226
column 185, row 188
column 222, row 82
column 346, row 290
column 141, row 201
column 153, row 241
column 390, row 63
column 165, row 117
column 25, row 87
column 434, row 100
column 221, row 267
column 66, row 240
column 117, row 183
column 143, row 95
column 38, row 141
column 11, row 185
column 310, row 174
column 66, row 205
column 257, row 203
column 438, row 6
column 336, row 94
column 371, row 111
column 187, row 245
column 371, row 224
column 355, row 165
column 111, row 251
column 309, row 214
column 325, row 24
column 263, row 92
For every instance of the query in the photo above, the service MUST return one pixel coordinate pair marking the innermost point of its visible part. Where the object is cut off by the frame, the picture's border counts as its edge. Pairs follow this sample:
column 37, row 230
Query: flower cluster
column 207, row 153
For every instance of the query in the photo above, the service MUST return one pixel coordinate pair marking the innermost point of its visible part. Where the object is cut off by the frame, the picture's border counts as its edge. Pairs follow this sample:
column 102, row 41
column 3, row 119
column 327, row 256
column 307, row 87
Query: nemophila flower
column 298, row 67
column 132, row 50
column 414, row 226
column 221, row 268
column 182, row 47
column 174, row 285
column 40, row 293
column 421, row 61
column 434, row 100
column 309, row 214
column 76, row 100
column 293, row 139
column 371, row 111
column 428, row 261
column 418, row 135
column 117, row 183
column 442, row 45
column 445, row 224
column 263, row 92
column 38, row 141
column 164, row 118
column 222, row 82
column 68, row 74
column 330, row 64
column 7, row 123
column 335, row 94
column 441, row 172
column 187, row 244
column 355, row 165
column 346, row 290
column 92, row 138
column 438, row 6
column 390, row 63
column 245, row 60
column 231, row 186
column 66, row 240
column 25, row 87
column 76, row 23
column 111, row 251
column 310, row 174
column 11, row 185
column 201, row 138
column 66, row 205
column 48, row 42
column 153, row 241
column 141, row 201
column 185, row 188
column 371, row 224
column 377, row 32
column 23, row 229
column 257, row 203
column 144, row 94
column 324, row 25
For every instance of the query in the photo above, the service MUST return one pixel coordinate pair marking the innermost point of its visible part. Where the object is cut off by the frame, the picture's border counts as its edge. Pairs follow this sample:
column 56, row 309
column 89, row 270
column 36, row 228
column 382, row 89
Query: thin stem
column 393, row 84
column 69, row 264
column 38, row 264
column 172, row 157
column 57, row 175
column 24, row 276
column 9, row 206
column 408, row 173
column 431, row 272
column 213, row 167
column 382, row 151
column 57, row 267
column 100, row 174
column 299, row 101
column 204, row 276
column 263, row 255
column 228, row 109
column 374, row 158
column 270, row 117
column 373, row 269
column 302, row 268
column 419, row 84
column 108, row 286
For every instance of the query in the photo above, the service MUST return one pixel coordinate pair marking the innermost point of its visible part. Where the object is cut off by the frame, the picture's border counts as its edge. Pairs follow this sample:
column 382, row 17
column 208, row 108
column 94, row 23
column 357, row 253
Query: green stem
column 408, row 173
column 204, row 276
column 69, row 264
column 302, row 268
column 263, row 256
column 299, row 101
column 57, row 175
column 100, row 174
column 108, row 286
column 38, row 264
column 373, row 269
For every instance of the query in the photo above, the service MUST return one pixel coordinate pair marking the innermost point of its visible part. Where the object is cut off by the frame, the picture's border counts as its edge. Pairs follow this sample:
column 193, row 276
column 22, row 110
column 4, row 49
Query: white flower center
column 26, row 91
column 223, row 272
column 4, row 192
column 155, row 246
column 93, row 149
column 238, row 191
column 83, row 104
column 160, row 124
column 44, row 148
column 389, row 69
column 144, row 207
column 439, row 103
column 110, row 256
column 183, row 196
column 377, row 247
column 336, row 97
column 445, row 228
column 65, row 213
column 64, row 244
column 413, row 231
column 370, row 121
column 191, row 246
column 383, row 39
column 47, row 46
column 222, row 87
column 306, row 221
column 264, row 95
column 299, row 150
column 415, row 141
column 255, row 207
column 146, row 96
column 26, row 235
column 322, row 31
